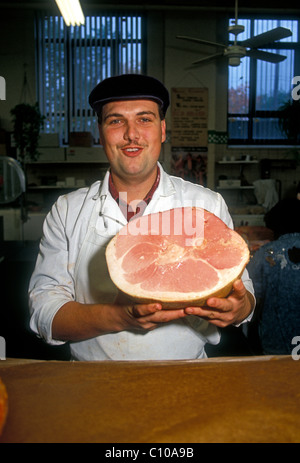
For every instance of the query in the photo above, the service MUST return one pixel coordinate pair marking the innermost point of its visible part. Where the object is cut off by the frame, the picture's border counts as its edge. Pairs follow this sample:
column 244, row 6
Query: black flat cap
column 129, row 87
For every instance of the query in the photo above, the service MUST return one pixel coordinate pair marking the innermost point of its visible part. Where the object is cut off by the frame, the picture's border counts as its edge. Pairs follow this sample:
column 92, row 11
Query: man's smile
column 132, row 151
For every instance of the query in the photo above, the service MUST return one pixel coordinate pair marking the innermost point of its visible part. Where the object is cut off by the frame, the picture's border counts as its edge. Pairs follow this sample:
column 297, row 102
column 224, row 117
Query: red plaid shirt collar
column 126, row 208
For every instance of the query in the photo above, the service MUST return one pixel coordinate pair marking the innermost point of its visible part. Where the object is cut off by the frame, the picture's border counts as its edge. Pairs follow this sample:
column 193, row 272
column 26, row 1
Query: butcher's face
column 131, row 133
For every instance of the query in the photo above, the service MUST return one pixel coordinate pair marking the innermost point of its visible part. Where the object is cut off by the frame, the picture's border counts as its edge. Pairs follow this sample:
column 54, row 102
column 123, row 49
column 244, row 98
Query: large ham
column 179, row 257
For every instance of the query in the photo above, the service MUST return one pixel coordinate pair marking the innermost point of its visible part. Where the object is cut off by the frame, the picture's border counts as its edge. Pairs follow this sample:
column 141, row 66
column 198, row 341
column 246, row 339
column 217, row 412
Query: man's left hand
column 226, row 311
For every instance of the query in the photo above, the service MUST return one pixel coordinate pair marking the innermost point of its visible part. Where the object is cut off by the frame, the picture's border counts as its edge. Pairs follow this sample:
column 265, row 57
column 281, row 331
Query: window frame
column 254, row 113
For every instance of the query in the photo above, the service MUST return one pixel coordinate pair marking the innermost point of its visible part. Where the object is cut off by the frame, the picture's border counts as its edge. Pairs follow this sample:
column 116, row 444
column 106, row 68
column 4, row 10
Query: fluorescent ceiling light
column 71, row 12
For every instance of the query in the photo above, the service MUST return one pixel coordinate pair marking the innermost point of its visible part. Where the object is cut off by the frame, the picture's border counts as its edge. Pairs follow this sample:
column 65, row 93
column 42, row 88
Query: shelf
column 248, row 219
column 237, row 162
column 52, row 187
column 254, row 216
column 238, row 190
column 248, row 187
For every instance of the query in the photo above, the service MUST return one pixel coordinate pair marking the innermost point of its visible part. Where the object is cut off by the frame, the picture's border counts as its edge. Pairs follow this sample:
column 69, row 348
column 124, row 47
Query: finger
column 225, row 303
column 140, row 316
column 204, row 312
column 142, row 310
column 165, row 316
column 219, row 304
column 219, row 318
column 156, row 318
column 239, row 289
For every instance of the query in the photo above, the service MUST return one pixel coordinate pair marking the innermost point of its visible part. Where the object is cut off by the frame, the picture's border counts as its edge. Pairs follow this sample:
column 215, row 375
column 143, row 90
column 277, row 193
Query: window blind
column 72, row 60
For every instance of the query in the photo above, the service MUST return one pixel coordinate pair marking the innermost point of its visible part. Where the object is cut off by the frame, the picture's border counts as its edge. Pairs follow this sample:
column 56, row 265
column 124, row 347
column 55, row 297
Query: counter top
column 248, row 399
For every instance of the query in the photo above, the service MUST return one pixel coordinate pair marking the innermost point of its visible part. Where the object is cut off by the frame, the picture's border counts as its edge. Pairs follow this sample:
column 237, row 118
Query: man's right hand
column 77, row 322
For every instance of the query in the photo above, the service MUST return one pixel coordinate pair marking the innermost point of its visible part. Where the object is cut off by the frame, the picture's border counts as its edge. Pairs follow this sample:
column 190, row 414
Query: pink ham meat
column 179, row 257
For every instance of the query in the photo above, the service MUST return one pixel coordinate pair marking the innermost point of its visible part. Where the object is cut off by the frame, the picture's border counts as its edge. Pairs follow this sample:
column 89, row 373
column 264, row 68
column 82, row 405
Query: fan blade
column 207, row 59
column 266, row 56
column 266, row 38
column 204, row 42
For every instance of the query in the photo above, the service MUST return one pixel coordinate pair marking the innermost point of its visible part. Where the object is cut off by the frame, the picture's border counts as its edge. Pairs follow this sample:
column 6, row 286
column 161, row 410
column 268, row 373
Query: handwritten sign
column 189, row 112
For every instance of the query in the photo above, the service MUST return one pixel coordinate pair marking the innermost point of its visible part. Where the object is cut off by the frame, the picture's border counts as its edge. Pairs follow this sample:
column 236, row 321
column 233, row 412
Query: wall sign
column 189, row 136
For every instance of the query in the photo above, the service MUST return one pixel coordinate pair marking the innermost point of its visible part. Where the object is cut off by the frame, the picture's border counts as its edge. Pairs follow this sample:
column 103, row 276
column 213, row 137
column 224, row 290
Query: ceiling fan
column 249, row 47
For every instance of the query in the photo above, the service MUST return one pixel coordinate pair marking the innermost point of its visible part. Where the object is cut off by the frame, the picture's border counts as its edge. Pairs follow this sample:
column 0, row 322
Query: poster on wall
column 189, row 139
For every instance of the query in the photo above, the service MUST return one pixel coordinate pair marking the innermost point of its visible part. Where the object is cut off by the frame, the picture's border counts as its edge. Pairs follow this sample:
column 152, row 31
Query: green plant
column 289, row 120
column 27, row 123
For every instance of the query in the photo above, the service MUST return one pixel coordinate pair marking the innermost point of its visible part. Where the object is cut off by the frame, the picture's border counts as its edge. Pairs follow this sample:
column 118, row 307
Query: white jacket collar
column 165, row 187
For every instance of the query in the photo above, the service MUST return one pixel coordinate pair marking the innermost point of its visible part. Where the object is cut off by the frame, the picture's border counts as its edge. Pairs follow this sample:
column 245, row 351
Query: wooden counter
column 251, row 399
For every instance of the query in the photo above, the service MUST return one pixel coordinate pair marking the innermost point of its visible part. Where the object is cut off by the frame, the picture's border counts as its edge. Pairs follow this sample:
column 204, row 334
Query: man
column 71, row 295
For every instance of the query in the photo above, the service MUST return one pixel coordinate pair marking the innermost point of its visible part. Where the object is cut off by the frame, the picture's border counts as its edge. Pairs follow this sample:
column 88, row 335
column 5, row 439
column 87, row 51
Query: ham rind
column 178, row 257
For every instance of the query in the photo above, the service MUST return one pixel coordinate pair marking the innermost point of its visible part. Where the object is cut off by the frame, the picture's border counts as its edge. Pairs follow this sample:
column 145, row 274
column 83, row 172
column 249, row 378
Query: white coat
column 71, row 266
